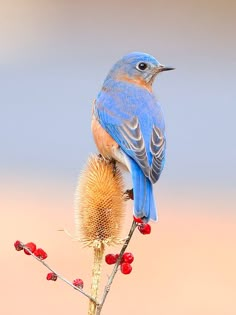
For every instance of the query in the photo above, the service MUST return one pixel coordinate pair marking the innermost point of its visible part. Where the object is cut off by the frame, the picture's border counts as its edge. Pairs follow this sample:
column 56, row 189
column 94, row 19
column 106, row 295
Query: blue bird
column 128, row 126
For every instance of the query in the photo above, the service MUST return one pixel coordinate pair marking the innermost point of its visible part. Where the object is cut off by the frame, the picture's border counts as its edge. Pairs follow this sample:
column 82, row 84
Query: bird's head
column 138, row 68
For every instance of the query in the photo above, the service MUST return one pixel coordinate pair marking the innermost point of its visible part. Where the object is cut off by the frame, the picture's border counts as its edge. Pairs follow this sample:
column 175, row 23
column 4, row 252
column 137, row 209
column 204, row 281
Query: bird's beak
column 161, row 68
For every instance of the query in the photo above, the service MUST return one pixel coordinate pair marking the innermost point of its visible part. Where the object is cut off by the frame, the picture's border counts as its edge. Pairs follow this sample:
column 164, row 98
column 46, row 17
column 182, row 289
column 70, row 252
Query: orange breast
column 104, row 142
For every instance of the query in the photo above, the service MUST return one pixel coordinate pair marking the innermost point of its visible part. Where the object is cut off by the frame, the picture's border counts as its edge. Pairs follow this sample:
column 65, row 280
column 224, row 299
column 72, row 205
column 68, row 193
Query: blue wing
column 135, row 121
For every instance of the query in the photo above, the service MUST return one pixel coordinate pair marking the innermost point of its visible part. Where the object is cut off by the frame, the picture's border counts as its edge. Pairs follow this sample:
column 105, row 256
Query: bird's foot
column 129, row 194
column 100, row 156
column 114, row 167
column 110, row 161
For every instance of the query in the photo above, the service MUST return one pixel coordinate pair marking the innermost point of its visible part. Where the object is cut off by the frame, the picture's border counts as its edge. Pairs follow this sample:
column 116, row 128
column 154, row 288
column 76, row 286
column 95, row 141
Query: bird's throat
column 137, row 81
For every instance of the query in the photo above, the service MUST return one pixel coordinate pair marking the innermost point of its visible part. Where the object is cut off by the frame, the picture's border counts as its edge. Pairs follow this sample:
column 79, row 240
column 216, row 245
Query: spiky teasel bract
column 99, row 207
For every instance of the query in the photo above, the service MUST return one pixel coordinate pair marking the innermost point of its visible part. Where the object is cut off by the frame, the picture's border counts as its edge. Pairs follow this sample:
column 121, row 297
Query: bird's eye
column 141, row 66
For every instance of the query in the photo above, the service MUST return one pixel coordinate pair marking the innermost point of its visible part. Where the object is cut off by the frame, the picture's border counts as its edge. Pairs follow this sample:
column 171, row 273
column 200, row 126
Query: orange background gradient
column 185, row 266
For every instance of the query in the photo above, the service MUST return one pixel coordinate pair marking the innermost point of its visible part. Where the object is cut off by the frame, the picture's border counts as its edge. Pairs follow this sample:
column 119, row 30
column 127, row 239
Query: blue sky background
column 55, row 55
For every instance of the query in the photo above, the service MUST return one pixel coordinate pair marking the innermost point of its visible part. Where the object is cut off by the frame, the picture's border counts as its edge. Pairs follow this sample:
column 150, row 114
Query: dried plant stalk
column 96, row 276
column 99, row 212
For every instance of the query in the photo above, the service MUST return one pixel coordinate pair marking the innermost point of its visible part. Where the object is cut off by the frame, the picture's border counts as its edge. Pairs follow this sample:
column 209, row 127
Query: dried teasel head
column 99, row 205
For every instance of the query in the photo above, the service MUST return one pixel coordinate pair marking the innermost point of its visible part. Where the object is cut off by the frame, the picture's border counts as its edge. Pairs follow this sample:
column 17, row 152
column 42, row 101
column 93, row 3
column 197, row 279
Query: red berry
column 78, row 283
column 125, row 268
column 111, row 259
column 51, row 276
column 31, row 246
column 18, row 245
column 145, row 228
column 128, row 258
column 137, row 220
column 40, row 253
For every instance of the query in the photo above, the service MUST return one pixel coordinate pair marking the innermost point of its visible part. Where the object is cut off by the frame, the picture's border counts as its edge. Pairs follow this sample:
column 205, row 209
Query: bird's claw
column 129, row 194
column 114, row 168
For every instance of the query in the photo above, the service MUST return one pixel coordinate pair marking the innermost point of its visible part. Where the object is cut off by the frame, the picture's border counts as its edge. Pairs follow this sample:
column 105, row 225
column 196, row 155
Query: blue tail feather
column 144, row 204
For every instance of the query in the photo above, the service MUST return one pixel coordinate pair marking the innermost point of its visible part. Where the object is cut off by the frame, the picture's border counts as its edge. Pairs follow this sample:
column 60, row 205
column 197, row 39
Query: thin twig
column 58, row 275
column 111, row 278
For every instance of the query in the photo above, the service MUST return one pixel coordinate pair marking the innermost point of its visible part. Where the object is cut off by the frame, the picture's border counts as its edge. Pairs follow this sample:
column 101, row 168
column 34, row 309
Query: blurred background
column 54, row 56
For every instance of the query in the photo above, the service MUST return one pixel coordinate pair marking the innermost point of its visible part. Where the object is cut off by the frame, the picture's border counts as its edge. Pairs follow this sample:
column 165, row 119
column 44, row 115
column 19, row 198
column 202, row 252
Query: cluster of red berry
column 128, row 258
column 31, row 249
column 125, row 263
column 144, row 228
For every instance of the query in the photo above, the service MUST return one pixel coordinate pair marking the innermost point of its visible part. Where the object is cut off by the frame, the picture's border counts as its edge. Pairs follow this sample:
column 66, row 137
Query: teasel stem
column 96, row 276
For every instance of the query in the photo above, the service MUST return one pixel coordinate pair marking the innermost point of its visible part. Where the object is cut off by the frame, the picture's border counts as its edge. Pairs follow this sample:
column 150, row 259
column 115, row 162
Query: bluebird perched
column 128, row 125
